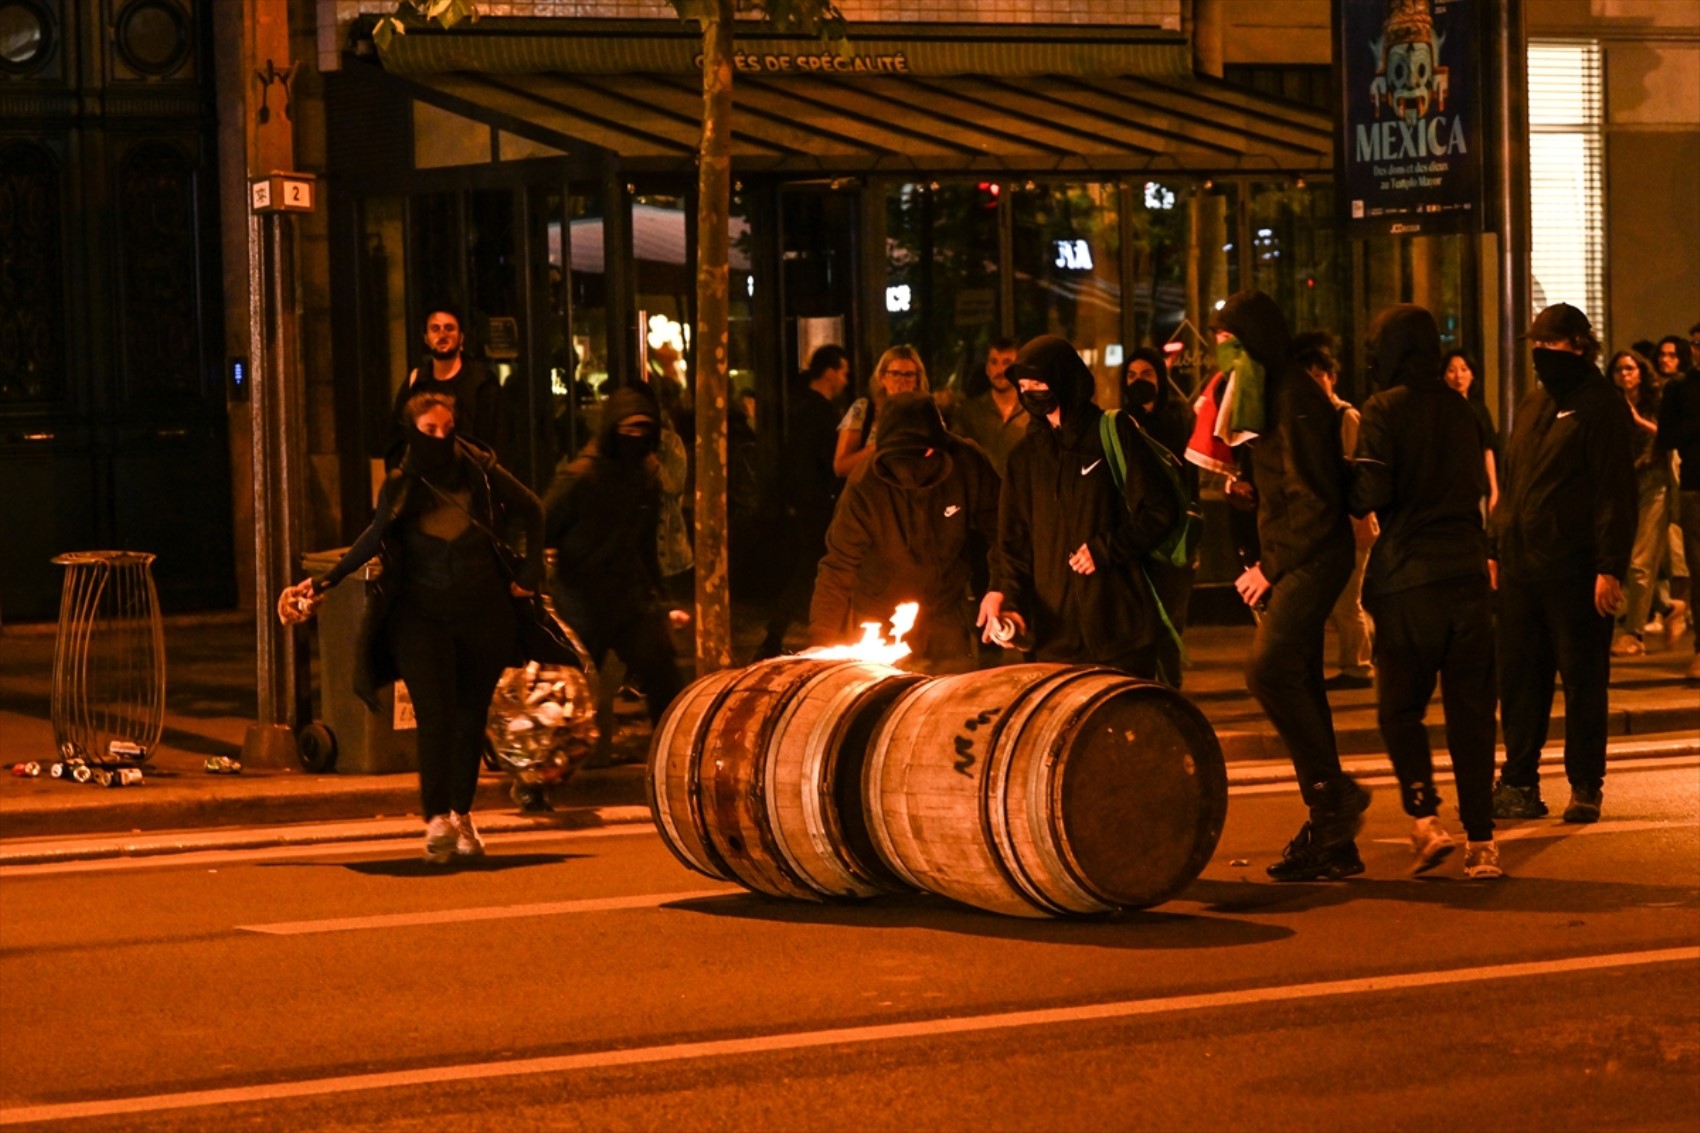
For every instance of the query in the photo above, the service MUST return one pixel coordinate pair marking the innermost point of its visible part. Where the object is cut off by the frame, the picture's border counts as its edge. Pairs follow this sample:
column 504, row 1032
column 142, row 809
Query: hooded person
column 1561, row 540
column 909, row 527
column 1071, row 546
column 1419, row 470
column 600, row 518
column 1307, row 555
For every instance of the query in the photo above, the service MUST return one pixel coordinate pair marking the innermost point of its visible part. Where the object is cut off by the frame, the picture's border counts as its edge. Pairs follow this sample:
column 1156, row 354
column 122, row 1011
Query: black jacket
column 1057, row 494
column 1567, row 496
column 1679, row 425
column 498, row 502
column 1296, row 464
column 601, row 513
column 907, row 529
column 1419, row 464
column 477, row 397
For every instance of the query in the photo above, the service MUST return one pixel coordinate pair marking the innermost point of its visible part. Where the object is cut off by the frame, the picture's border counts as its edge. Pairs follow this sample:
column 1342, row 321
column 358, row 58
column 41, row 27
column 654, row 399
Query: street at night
column 585, row 979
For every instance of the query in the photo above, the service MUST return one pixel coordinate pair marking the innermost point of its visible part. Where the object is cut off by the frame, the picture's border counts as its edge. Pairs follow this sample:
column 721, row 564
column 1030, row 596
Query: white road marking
column 482, row 913
column 803, row 1040
column 1553, row 828
column 188, row 859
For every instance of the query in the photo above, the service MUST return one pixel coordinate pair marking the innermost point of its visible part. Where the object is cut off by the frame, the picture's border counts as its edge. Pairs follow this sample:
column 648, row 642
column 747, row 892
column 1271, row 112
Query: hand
column 991, row 612
column 678, row 619
column 519, row 591
column 1241, row 494
column 1081, row 561
column 1493, row 574
column 1608, row 596
column 1253, row 587
column 297, row 603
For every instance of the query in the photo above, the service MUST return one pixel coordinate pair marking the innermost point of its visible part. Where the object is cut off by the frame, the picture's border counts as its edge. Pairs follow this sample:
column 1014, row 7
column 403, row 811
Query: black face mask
column 634, row 449
column 1040, row 402
column 1559, row 370
column 427, row 454
column 1140, row 394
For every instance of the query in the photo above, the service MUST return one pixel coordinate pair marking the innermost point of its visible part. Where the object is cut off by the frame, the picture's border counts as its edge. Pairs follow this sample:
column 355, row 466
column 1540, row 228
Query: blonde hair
column 901, row 352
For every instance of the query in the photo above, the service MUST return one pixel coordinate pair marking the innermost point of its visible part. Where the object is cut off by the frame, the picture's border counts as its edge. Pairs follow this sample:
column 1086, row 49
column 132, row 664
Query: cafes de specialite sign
column 1410, row 152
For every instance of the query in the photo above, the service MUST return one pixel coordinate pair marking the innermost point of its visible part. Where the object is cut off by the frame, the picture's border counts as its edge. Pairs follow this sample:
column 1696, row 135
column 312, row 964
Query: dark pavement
column 585, row 979
column 210, row 702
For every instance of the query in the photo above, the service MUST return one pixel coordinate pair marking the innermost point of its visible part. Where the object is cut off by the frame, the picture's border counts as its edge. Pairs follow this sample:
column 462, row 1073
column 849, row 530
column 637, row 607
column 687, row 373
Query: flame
column 874, row 646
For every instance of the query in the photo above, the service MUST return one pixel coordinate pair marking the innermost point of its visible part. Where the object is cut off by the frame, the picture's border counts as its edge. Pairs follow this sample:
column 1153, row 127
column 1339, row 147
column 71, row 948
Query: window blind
column 1566, row 130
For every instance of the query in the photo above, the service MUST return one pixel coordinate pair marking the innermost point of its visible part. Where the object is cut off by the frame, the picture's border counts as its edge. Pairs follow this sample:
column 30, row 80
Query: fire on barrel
column 1031, row 790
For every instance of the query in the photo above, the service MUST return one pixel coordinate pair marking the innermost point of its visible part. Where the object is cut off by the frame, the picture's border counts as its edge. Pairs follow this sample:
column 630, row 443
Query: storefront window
column 1067, row 263
column 666, row 294
column 941, row 288
column 1157, row 234
column 1295, row 256
column 741, row 295
column 587, row 279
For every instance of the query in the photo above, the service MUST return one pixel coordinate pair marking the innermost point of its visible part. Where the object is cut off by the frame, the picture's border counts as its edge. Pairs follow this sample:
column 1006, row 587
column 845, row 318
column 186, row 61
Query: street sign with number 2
column 282, row 192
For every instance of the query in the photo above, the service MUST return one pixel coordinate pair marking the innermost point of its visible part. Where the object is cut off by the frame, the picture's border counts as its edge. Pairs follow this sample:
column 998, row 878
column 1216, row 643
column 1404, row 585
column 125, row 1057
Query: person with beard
column 1071, row 547
column 909, row 527
column 1151, row 398
column 1419, row 470
column 1560, row 548
column 994, row 418
column 1306, row 556
column 476, row 395
column 450, row 629
column 601, row 516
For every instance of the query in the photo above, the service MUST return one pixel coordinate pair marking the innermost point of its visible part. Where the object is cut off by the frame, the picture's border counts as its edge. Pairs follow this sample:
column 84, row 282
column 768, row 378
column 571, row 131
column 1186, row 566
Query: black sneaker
column 1338, row 815
column 1341, row 681
column 1306, row 860
column 1584, row 805
column 1518, row 802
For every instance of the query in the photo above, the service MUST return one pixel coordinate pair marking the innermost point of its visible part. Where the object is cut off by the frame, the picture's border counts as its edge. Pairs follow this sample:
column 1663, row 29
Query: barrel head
column 1140, row 794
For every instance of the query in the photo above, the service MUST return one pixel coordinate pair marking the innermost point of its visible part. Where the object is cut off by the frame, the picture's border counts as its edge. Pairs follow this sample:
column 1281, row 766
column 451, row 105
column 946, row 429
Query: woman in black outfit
column 1461, row 373
column 446, row 623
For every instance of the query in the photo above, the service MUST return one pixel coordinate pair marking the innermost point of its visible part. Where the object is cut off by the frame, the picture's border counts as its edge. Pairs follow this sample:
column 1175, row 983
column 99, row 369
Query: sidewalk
column 210, row 701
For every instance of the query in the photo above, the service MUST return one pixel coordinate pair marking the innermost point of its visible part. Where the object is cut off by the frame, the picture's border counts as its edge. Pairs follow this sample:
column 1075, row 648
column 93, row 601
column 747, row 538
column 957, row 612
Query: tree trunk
column 714, row 201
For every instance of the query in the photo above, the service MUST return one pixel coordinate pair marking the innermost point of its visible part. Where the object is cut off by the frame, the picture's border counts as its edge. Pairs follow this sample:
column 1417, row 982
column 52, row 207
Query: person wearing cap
column 1306, row 557
column 1071, row 547
column 1679, row 433
column 909, row 527
column 1560, row 544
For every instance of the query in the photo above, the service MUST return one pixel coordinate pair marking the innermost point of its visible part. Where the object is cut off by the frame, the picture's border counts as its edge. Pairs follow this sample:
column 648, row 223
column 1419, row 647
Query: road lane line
column 1557, row 829
column 802, row 1040
column 481, row 913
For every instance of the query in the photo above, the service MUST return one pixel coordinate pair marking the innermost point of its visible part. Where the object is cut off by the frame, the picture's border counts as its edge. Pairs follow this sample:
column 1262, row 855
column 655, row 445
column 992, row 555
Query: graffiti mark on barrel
column 965, row 744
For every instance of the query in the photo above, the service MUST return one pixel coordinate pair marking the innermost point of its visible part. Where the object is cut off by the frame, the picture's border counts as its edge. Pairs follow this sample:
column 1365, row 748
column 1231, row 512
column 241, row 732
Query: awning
column 830, row 126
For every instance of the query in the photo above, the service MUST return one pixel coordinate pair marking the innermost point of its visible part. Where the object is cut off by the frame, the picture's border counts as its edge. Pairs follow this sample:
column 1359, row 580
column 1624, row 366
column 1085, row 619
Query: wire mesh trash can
column 109, row 659
column 362, row 742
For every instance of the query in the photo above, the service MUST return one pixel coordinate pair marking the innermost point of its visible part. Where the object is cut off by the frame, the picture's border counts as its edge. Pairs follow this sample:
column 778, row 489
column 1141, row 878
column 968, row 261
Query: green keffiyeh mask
column 1243, row 413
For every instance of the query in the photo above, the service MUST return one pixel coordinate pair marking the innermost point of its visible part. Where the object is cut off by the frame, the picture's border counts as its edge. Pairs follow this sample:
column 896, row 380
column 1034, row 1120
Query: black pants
column 1284, row 671
column 634, row 628
column 1546, row 628
column 1688, row 514
column 1444, row 629
column 450, row 665
column 802, row 546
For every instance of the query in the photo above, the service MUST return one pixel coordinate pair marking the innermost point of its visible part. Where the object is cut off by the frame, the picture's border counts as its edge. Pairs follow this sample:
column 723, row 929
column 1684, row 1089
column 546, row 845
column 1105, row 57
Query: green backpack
column 1180, row 544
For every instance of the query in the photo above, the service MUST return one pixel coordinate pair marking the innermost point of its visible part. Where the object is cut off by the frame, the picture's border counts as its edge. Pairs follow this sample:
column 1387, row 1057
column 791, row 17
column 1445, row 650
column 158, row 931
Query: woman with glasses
column 900, row 370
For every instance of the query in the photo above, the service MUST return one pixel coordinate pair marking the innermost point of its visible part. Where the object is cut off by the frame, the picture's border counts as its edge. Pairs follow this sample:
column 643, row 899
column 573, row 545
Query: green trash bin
column 361, row 742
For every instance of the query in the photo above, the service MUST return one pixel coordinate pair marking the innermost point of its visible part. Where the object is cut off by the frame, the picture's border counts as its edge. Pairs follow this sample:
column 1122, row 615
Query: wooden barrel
column 1039, row 790
column 755, row 776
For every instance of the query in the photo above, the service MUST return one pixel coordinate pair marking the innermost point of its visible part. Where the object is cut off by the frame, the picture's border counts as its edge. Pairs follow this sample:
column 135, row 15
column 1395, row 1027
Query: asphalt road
column 585, row 979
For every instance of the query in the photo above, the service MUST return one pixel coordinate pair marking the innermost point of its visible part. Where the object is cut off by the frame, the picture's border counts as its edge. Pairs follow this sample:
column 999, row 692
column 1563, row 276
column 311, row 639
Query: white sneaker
column 1481, row 860
column 467, row 842
column 440, row 836
column 1430, row 843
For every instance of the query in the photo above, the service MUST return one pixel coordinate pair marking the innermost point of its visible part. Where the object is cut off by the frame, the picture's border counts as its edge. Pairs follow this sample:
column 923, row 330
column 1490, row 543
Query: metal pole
column 1511, row 187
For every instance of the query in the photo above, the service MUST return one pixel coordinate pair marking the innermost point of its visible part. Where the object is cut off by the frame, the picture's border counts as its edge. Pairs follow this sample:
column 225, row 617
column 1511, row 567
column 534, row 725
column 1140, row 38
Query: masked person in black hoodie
column 600, row 516
column 909, row 527
column 1071, row 547
column 446, row 624
column 1560, row 542
column 1420, row 469
column 1307, row 556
